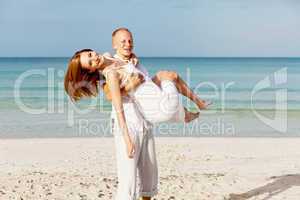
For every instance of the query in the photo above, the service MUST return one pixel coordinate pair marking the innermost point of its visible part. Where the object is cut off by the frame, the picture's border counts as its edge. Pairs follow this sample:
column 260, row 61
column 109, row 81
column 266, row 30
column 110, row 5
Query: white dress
column 156, row 104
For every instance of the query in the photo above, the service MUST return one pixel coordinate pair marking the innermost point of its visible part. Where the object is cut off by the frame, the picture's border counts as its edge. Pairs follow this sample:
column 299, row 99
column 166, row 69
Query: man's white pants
column 137, row 176
column 156, row 105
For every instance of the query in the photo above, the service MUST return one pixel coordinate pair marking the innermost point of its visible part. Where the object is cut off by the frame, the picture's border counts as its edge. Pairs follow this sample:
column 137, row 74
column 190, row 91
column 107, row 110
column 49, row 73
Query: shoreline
column 156, row 136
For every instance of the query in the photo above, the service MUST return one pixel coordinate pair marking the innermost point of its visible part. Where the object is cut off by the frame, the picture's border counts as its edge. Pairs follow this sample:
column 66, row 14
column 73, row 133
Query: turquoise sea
column 249, row 98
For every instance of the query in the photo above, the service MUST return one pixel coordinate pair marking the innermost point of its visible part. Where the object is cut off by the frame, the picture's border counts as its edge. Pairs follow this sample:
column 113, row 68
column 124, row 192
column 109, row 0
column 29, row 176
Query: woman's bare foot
column 190, row 116
column 203, row 104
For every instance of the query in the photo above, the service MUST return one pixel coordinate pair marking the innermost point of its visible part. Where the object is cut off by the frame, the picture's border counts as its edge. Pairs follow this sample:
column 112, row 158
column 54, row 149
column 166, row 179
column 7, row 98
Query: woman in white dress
column 156, row 98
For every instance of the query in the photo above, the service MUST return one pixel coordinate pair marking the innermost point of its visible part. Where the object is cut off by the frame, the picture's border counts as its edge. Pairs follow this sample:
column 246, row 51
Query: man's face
column 123, row 44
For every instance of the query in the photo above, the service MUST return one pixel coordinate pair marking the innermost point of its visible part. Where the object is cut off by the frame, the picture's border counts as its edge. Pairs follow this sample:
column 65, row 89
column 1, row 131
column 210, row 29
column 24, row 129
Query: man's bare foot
column 145, row 198
column 190, row 116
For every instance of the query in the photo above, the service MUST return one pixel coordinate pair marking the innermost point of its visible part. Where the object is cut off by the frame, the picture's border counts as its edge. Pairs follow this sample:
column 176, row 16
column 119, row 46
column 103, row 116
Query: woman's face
column 90, row 60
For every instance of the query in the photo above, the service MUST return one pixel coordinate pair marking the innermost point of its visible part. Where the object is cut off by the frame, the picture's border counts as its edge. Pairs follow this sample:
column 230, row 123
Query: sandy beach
column 189, row 168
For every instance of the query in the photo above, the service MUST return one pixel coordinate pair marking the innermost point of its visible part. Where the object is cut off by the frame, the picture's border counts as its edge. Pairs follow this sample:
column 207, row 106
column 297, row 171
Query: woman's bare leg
column 181, row 86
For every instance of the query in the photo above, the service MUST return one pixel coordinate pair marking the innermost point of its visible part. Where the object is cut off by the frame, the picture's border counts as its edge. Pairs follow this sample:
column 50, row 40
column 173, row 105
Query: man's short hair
column 120, row 29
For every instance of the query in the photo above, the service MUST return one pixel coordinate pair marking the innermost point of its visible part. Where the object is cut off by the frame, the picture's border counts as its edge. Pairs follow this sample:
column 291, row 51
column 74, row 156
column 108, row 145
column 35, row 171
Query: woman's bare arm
column 114, row 87
column 108, row 94
column 133, row 82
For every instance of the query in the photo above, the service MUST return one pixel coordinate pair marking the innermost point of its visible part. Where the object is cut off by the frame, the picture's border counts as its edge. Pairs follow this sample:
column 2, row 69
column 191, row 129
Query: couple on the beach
column 138, row 102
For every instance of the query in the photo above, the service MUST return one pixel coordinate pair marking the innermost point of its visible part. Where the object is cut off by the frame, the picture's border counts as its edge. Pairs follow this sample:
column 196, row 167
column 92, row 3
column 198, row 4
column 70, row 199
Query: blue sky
column 265, row 28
